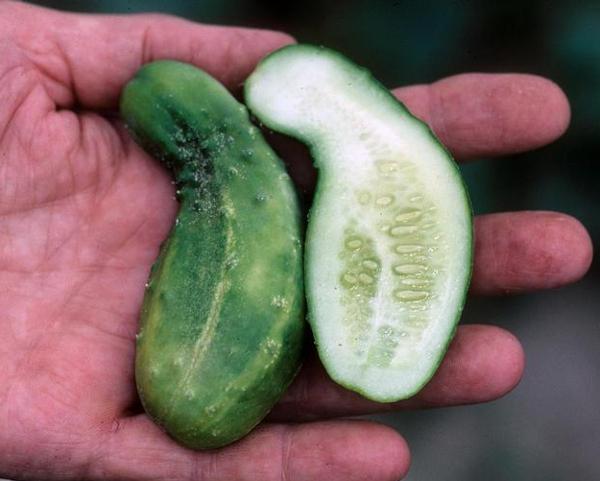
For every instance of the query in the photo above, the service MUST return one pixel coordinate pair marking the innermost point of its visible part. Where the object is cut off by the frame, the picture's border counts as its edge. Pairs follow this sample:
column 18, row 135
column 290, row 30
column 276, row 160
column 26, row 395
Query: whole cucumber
column 222, row 321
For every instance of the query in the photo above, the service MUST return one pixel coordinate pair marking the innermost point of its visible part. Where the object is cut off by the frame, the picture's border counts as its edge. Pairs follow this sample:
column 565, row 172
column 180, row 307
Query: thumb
column 86, row 59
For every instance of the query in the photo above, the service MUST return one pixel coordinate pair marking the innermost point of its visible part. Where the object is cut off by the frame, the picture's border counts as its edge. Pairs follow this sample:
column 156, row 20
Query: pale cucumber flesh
column 389, row 241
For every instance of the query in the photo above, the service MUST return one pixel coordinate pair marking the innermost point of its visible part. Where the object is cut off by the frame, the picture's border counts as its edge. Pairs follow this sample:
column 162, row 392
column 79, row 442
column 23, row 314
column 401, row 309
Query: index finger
column 487, row 115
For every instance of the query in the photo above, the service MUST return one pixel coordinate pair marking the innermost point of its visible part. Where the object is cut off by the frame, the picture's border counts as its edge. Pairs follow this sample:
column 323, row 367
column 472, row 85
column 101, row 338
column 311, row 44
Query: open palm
column 82, row 214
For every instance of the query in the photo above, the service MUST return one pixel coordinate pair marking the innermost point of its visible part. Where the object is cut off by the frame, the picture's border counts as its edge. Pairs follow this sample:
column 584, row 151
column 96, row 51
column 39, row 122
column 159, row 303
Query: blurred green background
column 549, row 427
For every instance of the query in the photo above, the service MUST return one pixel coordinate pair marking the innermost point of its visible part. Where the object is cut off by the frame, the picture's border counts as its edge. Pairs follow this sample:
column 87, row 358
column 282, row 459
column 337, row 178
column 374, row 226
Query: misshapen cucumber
column 222, row 320
column 389, row 241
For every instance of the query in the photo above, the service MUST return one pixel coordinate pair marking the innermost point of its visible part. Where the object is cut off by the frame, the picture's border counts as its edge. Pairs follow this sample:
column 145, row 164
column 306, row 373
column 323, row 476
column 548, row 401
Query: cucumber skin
column 312, row 236
column 222, row 322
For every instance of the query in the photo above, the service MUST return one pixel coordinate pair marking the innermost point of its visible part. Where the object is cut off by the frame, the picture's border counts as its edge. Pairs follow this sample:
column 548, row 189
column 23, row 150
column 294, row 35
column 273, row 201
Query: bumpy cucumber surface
column 389, row 242
column 221, row 326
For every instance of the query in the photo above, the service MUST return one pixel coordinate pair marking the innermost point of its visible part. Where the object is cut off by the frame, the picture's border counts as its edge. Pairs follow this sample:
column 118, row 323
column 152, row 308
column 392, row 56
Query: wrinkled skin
column 83, row 211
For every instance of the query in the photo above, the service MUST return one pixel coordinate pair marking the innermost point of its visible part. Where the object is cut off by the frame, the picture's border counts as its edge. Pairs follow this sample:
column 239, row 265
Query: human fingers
column 336, row 450
column 86, row 59
column 482, row 364
column 514, row 252
column 529, row 250
column 481, row 115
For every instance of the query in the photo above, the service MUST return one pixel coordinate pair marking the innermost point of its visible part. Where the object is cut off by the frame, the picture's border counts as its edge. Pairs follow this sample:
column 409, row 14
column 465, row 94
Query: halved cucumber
column 389, row 242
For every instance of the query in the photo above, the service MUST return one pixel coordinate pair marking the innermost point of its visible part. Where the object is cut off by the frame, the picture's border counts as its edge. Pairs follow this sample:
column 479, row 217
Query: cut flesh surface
column 389, row 241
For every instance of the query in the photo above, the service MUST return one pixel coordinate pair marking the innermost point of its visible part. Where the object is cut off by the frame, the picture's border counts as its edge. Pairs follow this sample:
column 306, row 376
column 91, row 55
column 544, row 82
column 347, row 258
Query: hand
column 83, row 211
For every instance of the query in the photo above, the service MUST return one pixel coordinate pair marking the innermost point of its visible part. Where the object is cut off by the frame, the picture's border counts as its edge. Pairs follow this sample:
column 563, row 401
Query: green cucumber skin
column 311, row 139
column 222, row 321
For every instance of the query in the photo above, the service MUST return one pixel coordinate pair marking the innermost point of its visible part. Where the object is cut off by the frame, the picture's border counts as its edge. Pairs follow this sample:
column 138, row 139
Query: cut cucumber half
column 389, row 241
